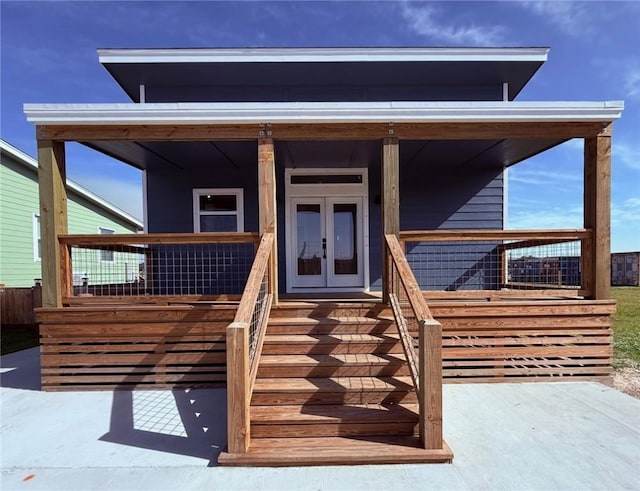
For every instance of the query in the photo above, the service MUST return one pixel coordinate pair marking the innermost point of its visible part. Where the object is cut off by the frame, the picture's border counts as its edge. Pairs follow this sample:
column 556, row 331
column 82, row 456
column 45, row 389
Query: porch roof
column 313, row 112
column 147, row 135
column 177, row 68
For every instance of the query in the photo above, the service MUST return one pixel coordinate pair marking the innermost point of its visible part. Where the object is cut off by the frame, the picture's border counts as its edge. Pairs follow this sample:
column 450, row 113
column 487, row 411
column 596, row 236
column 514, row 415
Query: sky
column 48, row 55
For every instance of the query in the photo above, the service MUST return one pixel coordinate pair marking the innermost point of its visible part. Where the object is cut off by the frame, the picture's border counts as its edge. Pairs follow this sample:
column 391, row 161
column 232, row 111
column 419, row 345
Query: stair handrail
column 425, row 366
column 245, row 336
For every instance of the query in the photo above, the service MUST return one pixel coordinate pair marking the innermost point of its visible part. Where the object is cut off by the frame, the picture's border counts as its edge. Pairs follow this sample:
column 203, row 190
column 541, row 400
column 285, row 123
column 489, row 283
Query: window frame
column 37, row 239
column 239, row 212
column 100, row 253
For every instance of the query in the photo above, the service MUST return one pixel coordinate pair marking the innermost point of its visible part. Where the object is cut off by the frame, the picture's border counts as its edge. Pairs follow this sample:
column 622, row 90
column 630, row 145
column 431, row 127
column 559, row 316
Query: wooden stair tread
column 338, row 359
column 329, row 320
column 330, row 338
column 331, row 413
column 336, row 451
column 332, row 384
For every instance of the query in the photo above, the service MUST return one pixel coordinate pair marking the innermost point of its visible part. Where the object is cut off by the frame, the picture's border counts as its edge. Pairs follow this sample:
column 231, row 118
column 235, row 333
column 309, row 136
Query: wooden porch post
column 390, row 179
column 238, row 420
column 267, row 205
column 430, row 393
column 597, row 214
column 53, row 220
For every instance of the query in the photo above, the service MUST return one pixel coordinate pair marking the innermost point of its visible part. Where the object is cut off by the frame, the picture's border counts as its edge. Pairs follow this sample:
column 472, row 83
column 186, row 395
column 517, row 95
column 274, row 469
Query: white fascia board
column 317, row 55
column 30, row 162
column 312, row 112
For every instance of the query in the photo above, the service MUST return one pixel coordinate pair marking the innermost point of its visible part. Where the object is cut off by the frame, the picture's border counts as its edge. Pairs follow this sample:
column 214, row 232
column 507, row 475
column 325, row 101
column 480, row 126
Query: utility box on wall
column 624, row 269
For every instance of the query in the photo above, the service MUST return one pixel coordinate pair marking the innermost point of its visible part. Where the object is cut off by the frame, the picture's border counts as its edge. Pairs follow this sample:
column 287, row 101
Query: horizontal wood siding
column 460, row 197
column 512, row 341
column 119, row 347
column 125, row 347
column 19, row 202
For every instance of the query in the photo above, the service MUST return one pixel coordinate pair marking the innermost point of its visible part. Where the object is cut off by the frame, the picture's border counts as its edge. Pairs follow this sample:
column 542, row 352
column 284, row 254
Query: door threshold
column 333, row 296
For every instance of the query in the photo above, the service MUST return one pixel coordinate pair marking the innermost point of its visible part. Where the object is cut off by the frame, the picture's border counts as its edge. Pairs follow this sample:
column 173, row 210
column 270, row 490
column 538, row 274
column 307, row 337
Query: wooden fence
column 17, row 304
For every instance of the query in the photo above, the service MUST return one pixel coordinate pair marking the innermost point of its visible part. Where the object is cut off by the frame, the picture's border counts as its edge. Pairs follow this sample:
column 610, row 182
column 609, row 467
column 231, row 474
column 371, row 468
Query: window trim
column 113, row 254
column 237, row 192
column 37, row 257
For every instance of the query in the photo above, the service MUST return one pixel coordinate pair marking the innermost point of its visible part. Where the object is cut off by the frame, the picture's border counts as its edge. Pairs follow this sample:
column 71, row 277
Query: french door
column 327, row 242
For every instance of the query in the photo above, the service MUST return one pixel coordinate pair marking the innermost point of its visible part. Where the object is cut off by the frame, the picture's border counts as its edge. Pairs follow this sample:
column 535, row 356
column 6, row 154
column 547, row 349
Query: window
column 106, row 256
column 218, row 210
column 37, row 240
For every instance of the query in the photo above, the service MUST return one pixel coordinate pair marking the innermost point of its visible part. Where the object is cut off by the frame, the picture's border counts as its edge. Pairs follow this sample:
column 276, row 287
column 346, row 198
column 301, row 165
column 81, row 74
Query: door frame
column 341, row 190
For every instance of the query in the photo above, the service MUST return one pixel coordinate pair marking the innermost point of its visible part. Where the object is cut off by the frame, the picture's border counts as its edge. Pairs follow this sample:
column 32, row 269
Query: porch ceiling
column 234, row 154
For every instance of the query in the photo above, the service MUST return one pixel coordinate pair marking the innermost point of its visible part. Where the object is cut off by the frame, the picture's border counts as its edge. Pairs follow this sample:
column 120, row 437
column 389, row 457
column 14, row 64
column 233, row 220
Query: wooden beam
column 390, row 179
column 597, row 212
column 482, row 235
column 267, row 205
column 238, row 381
column 551, row 130
column 53, row 219
column 89, row 240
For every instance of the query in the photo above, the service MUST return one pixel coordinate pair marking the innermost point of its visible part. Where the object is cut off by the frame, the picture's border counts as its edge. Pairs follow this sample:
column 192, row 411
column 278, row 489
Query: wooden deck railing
column 244, row 345
column 409, row 305
column 142, row 266
column 556, row 262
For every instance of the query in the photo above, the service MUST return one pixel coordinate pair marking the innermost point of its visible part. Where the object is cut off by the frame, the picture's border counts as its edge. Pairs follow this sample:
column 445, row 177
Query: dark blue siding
column 454, row 266
column 433, row 195
column 200, row 269
column 451, row 197
column 324, row 93
column 170, row 190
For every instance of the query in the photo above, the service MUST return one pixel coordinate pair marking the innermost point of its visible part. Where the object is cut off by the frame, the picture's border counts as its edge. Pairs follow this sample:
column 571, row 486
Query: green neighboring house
column 20, row 224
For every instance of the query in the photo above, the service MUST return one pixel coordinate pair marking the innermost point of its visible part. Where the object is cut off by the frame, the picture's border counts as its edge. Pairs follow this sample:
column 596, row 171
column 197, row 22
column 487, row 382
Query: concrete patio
column 504, row 436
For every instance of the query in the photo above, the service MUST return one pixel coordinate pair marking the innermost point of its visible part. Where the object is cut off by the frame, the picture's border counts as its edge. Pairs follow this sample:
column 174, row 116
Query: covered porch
column 499, row 306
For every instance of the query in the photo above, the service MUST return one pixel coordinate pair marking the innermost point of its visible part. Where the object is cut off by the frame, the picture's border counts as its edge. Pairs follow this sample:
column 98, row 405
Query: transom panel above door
column 326, row 230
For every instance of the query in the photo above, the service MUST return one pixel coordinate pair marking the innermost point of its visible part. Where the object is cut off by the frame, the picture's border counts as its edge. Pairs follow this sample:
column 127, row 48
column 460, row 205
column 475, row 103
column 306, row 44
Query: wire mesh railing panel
column 454, row 265
column 199, row 269
column 258, row 320
column 113, row 270
column 548, row 265
column 161, row 269
column 459, row 265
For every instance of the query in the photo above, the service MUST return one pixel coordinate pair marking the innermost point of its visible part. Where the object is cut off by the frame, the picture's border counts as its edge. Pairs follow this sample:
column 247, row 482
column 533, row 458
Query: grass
column 626, row 327
column 16, row 339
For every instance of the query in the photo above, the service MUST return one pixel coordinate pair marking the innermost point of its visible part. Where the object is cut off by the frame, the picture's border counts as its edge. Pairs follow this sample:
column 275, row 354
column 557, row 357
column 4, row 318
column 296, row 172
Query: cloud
column 631, row 81
column 626, row 153
column 426, row 20
column 556, row 217
column 572, row 18
column 542, row 177
column 625, row 212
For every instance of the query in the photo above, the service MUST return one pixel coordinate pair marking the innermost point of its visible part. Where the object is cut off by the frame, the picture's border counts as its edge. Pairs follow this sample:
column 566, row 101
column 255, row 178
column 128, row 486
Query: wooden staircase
column 333, row 387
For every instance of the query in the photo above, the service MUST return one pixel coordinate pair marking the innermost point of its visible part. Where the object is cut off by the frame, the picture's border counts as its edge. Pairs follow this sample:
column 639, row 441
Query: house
column 325, row 238
column 20, row 253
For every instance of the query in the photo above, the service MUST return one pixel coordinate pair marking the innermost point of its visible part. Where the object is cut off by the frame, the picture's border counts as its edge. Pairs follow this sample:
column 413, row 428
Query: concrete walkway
column 504, row 436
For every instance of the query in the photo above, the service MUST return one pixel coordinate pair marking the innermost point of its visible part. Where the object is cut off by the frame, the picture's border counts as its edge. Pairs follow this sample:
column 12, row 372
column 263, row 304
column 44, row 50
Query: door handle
column 324, row 248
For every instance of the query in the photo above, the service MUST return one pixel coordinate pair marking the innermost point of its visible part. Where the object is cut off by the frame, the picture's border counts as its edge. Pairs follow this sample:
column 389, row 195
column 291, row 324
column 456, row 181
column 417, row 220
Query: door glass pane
column 344, row 238
column 309, row 232
column 218, row 223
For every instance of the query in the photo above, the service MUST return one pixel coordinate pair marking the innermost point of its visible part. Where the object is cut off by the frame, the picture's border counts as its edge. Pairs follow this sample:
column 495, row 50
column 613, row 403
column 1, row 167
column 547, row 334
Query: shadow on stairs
column 333, row 388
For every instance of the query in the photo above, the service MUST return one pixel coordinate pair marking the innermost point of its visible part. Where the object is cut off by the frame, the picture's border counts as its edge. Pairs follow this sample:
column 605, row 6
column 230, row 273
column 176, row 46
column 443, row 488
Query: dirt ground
column 627, row 380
